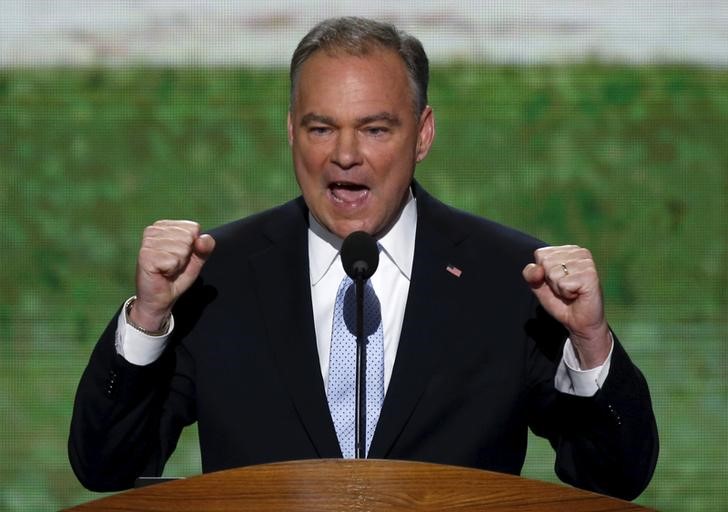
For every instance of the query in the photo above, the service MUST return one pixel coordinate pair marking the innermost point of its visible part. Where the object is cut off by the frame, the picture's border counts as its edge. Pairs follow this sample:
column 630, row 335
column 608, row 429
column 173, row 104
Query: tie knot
column 346, row 299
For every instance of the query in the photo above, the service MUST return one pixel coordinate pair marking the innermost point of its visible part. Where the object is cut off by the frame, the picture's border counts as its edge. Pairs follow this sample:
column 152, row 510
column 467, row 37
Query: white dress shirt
column 391, row 284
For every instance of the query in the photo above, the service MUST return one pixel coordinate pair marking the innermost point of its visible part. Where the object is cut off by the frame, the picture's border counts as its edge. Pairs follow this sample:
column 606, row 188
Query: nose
column 346, row 154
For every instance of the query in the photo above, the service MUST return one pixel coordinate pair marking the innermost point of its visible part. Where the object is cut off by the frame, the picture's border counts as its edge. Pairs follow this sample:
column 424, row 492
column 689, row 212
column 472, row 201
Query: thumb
column 201, row 250
column 534, row 275
column 204, row 245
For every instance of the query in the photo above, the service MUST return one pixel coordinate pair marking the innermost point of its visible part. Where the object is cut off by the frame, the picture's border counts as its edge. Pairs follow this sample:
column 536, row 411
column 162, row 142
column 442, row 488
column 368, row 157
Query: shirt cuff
column 135, row 346
column 571, row 379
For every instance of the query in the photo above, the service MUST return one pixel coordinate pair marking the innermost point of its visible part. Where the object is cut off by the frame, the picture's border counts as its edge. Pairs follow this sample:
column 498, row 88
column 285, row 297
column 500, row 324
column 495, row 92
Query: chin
column 344, row 230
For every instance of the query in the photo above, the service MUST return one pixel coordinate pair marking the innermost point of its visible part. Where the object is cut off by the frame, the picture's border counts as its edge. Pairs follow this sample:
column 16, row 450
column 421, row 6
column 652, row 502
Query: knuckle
column 549, row 263
column 185, row 231
column 188, row 225
column 179, row 248
column 586, row 254
column 553, row 274
column 190, row 237
column 145, row 254
column 587, row 263
column 167, row 262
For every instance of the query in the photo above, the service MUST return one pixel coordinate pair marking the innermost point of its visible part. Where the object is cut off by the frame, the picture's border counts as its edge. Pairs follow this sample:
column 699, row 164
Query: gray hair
column 359, row 36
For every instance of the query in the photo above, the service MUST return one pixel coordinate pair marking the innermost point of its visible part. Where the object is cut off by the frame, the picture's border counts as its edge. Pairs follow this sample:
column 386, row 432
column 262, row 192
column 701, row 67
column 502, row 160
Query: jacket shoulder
column 477, row 232
column 266, row 224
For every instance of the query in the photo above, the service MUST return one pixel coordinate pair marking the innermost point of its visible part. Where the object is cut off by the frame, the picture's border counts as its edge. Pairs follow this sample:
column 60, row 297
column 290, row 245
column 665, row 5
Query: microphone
column 360, row 255
column 360, row 258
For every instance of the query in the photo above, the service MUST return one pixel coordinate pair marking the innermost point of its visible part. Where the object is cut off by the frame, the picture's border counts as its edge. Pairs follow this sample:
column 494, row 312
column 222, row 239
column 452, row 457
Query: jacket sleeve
column 127, row 418
column 607, row 443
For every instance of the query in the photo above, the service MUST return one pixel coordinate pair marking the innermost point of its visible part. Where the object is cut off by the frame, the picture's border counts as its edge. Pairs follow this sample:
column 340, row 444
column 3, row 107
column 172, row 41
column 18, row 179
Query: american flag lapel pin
column 454, row 270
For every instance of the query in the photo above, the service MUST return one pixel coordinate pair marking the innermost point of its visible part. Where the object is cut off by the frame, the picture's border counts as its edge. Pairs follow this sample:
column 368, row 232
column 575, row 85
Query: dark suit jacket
column 474, row 368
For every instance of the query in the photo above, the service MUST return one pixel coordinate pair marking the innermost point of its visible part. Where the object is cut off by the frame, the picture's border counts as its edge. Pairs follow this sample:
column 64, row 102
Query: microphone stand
column 360, row 257
column 360, row 414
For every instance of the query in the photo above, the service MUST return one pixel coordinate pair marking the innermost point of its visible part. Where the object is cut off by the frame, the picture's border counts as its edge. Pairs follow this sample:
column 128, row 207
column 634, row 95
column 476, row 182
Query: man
column 240, row 329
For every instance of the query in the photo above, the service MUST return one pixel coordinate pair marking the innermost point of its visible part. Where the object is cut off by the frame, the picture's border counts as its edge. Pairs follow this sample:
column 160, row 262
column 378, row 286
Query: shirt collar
column 398, row 244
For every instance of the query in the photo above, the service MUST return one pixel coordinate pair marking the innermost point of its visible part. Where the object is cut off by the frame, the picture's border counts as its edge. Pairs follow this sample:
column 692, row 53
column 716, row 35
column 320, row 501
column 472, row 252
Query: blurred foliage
column 631, row 162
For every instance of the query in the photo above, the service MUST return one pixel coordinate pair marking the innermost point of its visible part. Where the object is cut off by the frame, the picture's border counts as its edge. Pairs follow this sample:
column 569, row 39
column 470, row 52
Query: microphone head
column 359, row 255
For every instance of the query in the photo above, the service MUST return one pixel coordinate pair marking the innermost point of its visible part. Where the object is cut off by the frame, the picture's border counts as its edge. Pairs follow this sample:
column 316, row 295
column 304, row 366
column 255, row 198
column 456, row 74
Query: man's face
column 355, row 139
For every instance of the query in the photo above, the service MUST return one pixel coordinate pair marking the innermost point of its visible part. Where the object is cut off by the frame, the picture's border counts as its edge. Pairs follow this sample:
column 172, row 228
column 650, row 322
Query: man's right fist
column 170, row 259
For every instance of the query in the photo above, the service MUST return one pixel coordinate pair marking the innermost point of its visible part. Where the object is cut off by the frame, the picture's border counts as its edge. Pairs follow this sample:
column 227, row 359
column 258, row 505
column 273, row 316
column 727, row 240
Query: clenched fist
column 170, row 259
column 566, row 283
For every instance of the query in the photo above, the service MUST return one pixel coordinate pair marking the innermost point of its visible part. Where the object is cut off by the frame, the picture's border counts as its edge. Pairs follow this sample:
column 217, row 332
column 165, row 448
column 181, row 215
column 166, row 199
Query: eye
column 377, row 131
column 319, row 130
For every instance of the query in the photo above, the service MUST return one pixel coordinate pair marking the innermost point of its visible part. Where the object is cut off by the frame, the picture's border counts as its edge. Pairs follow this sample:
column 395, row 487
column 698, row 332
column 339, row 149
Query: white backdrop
column 264, row 32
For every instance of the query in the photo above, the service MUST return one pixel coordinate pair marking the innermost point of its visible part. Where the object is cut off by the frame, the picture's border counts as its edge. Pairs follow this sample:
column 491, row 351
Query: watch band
column 162, row 330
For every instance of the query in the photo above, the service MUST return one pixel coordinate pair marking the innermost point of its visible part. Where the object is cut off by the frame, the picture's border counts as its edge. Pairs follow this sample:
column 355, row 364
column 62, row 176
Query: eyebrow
column 381, row 116
column 386, row 117
column 316, row 118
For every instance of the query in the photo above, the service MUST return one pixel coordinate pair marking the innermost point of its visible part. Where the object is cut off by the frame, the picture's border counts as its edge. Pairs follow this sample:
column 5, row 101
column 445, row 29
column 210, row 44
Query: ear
column 426, row 134
column 289, row 128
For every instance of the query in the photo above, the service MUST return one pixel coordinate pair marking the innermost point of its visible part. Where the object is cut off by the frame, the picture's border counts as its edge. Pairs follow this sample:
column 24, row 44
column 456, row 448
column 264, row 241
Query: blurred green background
column 630, row 161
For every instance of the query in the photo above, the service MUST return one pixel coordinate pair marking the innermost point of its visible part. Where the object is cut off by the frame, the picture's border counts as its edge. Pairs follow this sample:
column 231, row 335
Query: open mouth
column 345, row 192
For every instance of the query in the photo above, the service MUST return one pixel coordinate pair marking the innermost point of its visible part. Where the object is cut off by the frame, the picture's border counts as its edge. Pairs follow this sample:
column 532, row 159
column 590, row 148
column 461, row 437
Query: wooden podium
column 359, row 485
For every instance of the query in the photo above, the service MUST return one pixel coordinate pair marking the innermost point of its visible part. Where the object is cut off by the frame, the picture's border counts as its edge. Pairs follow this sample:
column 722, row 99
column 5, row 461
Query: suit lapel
column 283, row 286
column 432, row 307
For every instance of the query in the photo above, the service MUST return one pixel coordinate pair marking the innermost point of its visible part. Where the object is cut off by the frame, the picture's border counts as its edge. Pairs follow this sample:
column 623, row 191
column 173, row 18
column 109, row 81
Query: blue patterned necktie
column 341, row 385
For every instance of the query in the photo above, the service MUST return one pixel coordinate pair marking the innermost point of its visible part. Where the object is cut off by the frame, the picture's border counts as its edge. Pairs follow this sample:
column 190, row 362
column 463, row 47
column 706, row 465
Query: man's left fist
column 566, row 283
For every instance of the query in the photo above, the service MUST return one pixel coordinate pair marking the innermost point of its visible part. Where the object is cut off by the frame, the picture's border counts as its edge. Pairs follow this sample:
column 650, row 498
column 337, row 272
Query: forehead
column 343, row 81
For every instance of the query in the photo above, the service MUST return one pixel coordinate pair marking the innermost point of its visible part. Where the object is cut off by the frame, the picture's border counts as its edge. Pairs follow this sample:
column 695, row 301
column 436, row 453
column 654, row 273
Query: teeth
column 347, row 192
